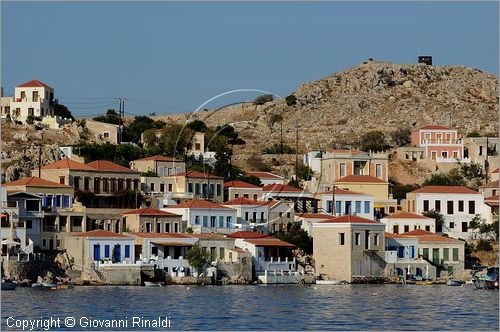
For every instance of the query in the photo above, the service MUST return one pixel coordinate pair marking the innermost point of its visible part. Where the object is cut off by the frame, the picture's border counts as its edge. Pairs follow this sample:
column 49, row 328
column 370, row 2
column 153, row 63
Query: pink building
column 441, row 143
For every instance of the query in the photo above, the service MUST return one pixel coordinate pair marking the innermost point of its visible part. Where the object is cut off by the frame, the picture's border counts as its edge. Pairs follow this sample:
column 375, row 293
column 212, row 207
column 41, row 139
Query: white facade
column 267, row 178
column 458, row 210
column 32, row 98
column 207, row 220
column 312, row 159
column 357, row 204
column 263, row 263
column 398, row 225
column 249, row 216
column 103, row 248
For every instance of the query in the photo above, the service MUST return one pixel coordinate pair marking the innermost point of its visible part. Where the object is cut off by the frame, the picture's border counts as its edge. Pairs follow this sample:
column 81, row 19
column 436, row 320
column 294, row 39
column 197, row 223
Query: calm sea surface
column 349, row 307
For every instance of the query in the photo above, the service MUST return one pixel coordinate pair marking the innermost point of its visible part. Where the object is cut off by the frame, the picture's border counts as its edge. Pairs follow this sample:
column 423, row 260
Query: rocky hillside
column 339, row 108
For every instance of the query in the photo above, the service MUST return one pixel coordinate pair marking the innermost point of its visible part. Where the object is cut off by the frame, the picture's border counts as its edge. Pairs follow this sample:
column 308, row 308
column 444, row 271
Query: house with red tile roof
column 348, row 247
column 104, row 132
column 267, row 178
column 250, row 214
column 403, row 222
column 162, row 166
column 458, row 205
column 98, row 247
column 441, row 143
column 204, row 216
column 31, row 99
column 445, row 254
column 307, row 219
column 236, row 189
column 384, row 204
column 347, row 202
column 103, row 182
column 151, row 220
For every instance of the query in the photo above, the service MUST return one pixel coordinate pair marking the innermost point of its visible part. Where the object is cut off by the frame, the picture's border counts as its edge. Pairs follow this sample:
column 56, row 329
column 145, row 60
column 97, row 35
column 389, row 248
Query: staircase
column 376, row 258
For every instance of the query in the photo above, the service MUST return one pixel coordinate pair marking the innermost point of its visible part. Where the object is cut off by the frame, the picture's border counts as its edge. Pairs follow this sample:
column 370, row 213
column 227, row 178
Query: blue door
column 116, row 253
column 97, row 252
column 412, row 251
column 401, row 252
column 419, row 272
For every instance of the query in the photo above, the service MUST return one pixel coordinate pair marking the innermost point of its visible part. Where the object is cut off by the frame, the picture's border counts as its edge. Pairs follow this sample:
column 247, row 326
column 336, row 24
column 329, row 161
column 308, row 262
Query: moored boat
column 486, row 279
column 153, row 284
column 331, row 282
column 455, row 283
column 9, row 285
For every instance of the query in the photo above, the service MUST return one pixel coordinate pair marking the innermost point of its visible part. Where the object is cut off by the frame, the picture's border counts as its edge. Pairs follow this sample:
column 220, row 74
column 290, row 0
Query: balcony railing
column 452, row 160
column 439, row 141
column 49, row 228
column 76, row 228
column 257, row 221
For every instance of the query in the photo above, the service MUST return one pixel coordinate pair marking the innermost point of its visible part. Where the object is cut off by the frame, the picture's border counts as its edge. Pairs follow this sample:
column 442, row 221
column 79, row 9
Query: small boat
column 486, row 279
column 455, row 283
column 9, row 285
column 153, row 284
column 424, row 282
column 331, row 282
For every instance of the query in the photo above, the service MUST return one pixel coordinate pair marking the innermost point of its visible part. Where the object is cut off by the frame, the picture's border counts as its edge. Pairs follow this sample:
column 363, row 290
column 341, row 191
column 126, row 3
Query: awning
column 3, row 215
column 378, row 206
column 173, row 244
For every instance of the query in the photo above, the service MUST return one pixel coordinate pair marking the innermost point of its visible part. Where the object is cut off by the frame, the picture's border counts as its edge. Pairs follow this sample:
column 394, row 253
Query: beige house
column 383, row 202
column 281, row 216
column 349, row 247
column 88, row 249
column 162, row 166
column 33, row 98
column 104, row 132
column 236, row 189
column 216, row 245
column 194, row 184
column 104, row 183
column 149, row 220
column 332, row 165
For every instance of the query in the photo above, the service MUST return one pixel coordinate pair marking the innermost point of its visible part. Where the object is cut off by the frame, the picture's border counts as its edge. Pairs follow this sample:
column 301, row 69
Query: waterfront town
column 182, row 213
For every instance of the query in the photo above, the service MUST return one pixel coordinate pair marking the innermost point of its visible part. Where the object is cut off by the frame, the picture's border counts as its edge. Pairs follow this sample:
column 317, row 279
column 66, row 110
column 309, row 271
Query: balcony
column 49, row 228
column 257, row 222
column 452, row 160
column 439, row 142
column 76, row 228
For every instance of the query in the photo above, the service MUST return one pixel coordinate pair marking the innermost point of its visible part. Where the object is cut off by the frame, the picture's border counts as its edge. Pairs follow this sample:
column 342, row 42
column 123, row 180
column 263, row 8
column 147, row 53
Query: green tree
column 452, row 178
column 197, row 257
column 294, row 183
column 473, row 133
column 197, row 125
column 132, row 132
column 399, row 190
column 472, row 171
column 260, row 100
column 484, row 245
column 401, row 137
column 110, row 117
column 250, row 179
column 438, row 217
column 298, row 237
column 275, row 118
column 279, row 148
column 63, row 111
column 30, row 119
column 304, row 172
column 374, row 141
column 291, row 100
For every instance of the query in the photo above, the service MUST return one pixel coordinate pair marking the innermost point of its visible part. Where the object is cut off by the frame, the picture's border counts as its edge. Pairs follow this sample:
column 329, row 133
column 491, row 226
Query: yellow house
column 383, row 202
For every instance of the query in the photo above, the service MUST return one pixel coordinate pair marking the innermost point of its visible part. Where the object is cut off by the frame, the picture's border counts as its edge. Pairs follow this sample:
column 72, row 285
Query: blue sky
column 171, row 57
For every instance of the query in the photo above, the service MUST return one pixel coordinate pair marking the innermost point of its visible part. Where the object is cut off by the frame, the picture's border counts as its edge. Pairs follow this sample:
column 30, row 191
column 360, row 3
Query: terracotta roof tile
column 161, row 235
column 280, row 188
column 314, row 215
column 495, row 171
column 33, row 84
column 264, row 175
column 491, row 184
column 151, row 212
column 160, row 158
column 445, row 190
column 350, row 219
column 210, row 236
column 406, row 215
column 244, row 201
column 341, row 192
column 35, row 182
column 269, row 242
column 101, row 233
column 196, row 174
column 426, row 236
column 492, row 201
column 67, row 163
column 199, row 204
column 239, row 184
column 108, row 166
column 247, row 235
column 360, row 178
column 436, row 127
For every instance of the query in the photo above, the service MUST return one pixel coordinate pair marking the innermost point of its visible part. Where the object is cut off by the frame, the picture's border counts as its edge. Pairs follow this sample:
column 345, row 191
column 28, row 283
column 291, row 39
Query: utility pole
column 486, row 162
column 281, row 137
column 297, row 152
column 121, row 113
column 40, row 161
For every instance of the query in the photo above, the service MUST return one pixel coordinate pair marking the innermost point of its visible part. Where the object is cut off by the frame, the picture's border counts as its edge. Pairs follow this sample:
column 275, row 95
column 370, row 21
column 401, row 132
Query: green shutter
column 446, row 254
column 455, row 254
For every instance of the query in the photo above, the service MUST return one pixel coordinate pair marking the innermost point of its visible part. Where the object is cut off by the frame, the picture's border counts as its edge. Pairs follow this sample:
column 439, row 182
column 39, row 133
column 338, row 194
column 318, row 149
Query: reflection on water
column 349, row 307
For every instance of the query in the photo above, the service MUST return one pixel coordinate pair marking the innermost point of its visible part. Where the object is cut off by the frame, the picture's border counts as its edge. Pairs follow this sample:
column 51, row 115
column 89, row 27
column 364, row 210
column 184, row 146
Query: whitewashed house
column 306, row 220
column 404, row 222
column 205, row 216
column 250, row 214
column 33, row 98
column 267, row 177
column 458, row 205
column 346, row 203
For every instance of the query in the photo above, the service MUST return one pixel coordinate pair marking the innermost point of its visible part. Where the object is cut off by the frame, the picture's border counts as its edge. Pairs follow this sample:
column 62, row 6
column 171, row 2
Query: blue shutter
column 127, row 251
column 106, row 251
column 97, row 252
